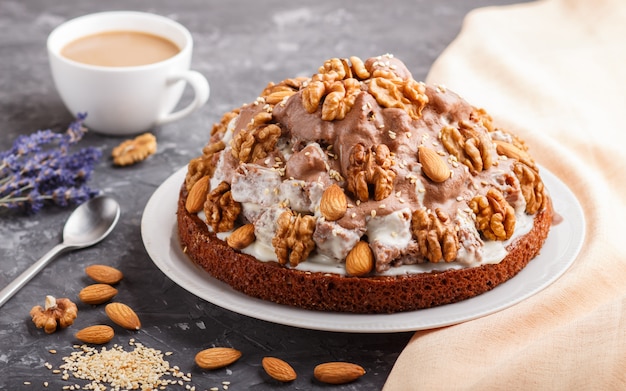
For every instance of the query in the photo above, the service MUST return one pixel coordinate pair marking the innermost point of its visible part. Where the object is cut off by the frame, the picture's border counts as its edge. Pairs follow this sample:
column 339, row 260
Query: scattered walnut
column 470, row 146
column 256, row 140
column 55, row 313
column 532, row 187
column 203, row 165
column 220, row 209
column 495, row 217
column 135, row 150
column 393, row 91
column 294, row 237
column 370, row 167
column 436, row 236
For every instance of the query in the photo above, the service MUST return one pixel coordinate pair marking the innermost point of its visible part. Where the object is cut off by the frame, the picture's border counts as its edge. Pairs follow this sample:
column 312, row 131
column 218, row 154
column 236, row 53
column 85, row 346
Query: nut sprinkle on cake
column 360, row 189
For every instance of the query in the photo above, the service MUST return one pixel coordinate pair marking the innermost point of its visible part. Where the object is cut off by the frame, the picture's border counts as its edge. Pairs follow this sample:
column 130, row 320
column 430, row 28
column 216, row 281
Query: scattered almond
column 242, row 237
column 104, row 274
column 197, row 195
column 123, row 316
column 97, row 293
column 278, row 369
column 338, row 372
column 98, row 334
column 433, row 165
column 333, row 204
column 214, row 358
column 360, row 259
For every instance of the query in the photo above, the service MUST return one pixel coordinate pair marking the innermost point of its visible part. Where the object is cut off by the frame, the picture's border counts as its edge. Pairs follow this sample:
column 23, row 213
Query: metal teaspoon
column 91, row 222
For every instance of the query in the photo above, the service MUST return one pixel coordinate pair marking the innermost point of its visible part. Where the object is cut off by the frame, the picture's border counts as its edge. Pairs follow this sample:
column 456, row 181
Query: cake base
column 333, row 292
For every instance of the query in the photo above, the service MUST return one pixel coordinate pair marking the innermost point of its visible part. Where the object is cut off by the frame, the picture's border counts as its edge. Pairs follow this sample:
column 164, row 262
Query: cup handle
column 201, row 89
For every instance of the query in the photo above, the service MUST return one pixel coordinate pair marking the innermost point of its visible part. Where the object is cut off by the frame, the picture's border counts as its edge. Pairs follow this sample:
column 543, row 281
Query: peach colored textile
column 555, row 73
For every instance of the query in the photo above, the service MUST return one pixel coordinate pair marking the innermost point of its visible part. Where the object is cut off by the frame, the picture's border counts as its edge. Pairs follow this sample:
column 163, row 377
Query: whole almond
column 333, row 204
column 122, row 315
column 278, row 369
column 242, row 237
column 197, row 195
column 104, row 274
column 360, row 259
column 98, row 334
column 97, row 293
column 214, row 358
column 433, row 165
column 511, row 151
column 338, row 372
column 278, row 96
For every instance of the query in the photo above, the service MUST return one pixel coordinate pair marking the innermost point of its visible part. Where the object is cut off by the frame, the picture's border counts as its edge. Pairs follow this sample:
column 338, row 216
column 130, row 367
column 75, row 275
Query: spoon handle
column 8, row 291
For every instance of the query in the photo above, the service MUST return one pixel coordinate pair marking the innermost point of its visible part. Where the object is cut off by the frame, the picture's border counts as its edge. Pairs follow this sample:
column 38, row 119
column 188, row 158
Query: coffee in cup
column 127, row 70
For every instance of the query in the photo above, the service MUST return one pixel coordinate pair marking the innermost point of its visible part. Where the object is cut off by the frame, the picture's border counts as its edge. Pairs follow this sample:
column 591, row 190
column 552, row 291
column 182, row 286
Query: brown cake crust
column 333, row 292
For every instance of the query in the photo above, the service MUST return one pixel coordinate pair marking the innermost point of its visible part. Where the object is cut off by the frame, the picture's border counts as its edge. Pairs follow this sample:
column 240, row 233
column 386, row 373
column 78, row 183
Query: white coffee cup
column 130, row 99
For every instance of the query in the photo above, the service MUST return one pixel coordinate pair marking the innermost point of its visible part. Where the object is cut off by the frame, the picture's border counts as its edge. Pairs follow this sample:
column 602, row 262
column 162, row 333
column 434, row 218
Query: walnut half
column 220, row 209
column 293, row 241
column 371, row 167
column 436, row 235
column 470, row 146
column 55, row 313
column 495, row 217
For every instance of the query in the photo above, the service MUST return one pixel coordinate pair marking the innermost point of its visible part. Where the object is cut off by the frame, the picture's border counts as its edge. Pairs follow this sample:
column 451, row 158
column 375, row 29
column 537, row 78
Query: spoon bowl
column 90, row 222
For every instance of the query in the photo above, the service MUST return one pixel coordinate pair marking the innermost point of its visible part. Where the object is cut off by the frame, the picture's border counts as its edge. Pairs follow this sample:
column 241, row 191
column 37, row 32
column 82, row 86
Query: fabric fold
column 554, row 73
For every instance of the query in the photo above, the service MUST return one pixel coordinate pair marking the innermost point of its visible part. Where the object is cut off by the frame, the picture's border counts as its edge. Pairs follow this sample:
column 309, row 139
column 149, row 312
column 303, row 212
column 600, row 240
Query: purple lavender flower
column 40, row 168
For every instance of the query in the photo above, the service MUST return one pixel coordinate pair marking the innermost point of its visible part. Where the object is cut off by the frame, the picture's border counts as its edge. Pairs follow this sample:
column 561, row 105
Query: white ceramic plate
column 159, row 232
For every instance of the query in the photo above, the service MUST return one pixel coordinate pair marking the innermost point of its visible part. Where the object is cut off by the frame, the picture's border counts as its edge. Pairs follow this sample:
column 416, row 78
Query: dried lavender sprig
column 40, row 168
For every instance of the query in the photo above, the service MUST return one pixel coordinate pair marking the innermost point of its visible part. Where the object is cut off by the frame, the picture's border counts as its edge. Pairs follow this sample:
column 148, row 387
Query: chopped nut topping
column 435, row 234
column 293, row 240
column 495, row 217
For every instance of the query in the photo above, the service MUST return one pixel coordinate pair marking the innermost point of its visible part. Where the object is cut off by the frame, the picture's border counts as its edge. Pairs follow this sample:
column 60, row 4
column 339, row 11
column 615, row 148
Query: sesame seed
column 373, row 213
column 52, row 351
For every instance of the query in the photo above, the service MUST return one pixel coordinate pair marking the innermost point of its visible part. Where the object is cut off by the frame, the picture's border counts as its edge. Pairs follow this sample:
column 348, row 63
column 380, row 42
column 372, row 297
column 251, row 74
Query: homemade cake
column 362, row 190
